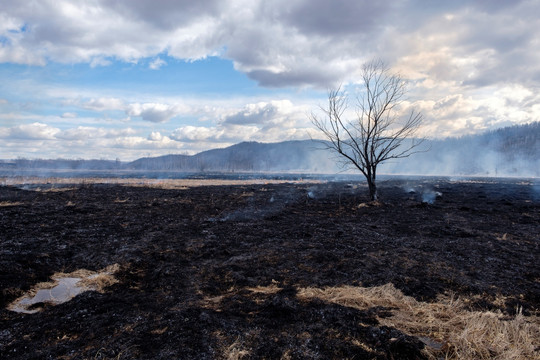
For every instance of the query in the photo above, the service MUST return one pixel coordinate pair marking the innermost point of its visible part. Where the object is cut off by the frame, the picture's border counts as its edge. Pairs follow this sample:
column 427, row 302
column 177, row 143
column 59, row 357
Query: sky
column 124, row 79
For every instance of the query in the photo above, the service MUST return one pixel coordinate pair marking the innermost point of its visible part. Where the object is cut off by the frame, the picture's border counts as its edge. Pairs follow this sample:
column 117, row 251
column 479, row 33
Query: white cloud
column 150, row 111
column 9, row 24
column 155, row 112
column 197, row 133
column 67, row 32
column 260, row 113
column 38, row 140
column 488, row 109
column 157, row 63
column 34, row 131
column 284, row 42
column 103, row 104
column 134, row 144
column 112, row 133
column 81, row 133
column 271, row 121
column 99, row 61
column 162, row 141
column 155, row 136
column 88, row 132
column 216, row 135
column 69, row 115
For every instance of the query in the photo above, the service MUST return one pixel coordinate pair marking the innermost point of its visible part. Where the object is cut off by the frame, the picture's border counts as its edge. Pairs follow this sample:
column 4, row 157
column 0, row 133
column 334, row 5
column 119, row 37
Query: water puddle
column 63, row 288
column 431, row 343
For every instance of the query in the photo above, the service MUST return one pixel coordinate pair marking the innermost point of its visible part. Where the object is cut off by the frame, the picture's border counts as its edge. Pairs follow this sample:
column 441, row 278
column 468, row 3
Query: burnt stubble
column 214, row 271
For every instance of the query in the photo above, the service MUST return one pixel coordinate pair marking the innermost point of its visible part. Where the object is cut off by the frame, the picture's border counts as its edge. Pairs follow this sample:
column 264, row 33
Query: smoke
column 507, row 152
column 479, row 162
column 423, row 192
column 430, row 196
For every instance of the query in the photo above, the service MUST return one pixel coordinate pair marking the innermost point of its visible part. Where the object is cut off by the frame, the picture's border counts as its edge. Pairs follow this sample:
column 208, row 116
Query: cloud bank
column 472, row 66
column 282, row 43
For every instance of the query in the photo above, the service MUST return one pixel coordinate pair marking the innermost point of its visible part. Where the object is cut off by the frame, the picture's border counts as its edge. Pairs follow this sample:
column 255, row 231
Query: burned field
column 291, row 271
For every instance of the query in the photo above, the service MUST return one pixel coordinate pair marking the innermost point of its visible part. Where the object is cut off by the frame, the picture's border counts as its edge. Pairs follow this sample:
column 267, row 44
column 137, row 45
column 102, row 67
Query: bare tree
column 378, row 132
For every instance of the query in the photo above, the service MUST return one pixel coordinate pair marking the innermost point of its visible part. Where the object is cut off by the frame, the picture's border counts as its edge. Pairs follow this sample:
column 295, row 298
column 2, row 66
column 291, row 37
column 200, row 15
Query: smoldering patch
column 430, row 196
column 275, row 202
column 423, row 193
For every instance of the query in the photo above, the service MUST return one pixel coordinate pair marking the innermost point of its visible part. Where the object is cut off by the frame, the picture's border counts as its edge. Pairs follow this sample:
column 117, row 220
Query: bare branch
column 376, row 134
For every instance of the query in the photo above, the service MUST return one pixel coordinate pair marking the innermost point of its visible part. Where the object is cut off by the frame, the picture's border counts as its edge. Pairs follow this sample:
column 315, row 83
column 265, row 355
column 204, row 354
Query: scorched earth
column 249, row 270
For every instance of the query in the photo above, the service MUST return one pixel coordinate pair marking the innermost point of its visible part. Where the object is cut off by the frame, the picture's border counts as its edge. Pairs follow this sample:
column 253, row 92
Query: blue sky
column 211, row 78
column 125, row 79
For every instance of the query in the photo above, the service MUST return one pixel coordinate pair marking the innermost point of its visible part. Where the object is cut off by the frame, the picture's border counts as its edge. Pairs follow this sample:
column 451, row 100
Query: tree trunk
column 372, row 190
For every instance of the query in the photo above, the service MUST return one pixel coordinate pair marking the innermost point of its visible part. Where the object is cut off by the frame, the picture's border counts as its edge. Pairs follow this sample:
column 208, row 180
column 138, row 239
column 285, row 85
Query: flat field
column 273, row 270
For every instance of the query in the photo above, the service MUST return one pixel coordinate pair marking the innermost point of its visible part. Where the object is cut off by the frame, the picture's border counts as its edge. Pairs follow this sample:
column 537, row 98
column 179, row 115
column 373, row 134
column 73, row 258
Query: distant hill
column 246, row 156
column 510, row 151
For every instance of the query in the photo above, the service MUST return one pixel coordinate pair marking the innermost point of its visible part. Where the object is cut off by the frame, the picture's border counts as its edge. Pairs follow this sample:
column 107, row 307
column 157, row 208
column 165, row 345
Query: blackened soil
column 189, row 257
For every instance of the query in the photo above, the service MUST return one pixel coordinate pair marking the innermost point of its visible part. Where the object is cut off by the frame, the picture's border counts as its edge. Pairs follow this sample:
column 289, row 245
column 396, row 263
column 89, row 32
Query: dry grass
column 235, row 351
column 449, row 330
column 99, row 282
column 178, row 184
column 273, row 288
column 10, row 203
column 60, row 189
column 102, row 279
column 231, row 348
column 374, row 203
column 91, row 280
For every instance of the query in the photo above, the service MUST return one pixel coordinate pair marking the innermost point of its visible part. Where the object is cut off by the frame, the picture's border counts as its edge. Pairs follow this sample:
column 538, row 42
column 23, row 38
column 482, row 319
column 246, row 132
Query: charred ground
column 192, row 258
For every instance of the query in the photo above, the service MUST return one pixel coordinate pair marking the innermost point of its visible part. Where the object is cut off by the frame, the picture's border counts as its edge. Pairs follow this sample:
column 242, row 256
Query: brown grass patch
column 374, row 203
column 10, row 203
column 60, row 189
column 92, row 280
column 273, row 288
column 448, row 329
column 99, row 282
column 178, row 184
column 84, row 280
column 236, row 350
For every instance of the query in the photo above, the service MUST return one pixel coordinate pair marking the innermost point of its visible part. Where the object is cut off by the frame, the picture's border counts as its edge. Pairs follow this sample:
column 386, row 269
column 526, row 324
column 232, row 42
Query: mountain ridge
column 513, row 150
